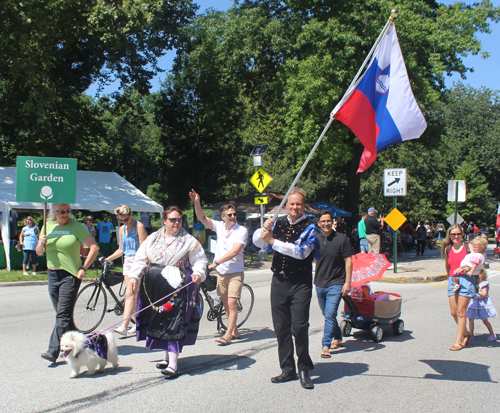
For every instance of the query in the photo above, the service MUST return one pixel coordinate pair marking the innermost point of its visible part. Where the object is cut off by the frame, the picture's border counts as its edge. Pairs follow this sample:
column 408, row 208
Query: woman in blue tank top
column 131, row 234
column 29, row 239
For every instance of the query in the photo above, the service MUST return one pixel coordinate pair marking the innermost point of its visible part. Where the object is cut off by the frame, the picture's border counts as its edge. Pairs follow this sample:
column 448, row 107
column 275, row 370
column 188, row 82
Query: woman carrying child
column 481, row 307
column 472, row 263
column 454, row 250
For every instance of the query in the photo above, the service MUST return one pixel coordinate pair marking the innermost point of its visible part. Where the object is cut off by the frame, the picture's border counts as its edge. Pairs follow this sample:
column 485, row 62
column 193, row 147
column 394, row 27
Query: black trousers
column 63, row 289
column 420, row 247
column 290, row 302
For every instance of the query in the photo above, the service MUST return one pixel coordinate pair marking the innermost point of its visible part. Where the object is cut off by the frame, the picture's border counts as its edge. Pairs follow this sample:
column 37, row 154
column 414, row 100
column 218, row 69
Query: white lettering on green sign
column 49, row 178
column 38, row 165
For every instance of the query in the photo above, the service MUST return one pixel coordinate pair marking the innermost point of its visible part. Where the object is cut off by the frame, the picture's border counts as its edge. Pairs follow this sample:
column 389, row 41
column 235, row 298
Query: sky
column 485, row 70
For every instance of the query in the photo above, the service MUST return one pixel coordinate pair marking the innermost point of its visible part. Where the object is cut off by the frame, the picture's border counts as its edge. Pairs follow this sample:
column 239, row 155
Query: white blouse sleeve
column 198, row 261
column 140, row 263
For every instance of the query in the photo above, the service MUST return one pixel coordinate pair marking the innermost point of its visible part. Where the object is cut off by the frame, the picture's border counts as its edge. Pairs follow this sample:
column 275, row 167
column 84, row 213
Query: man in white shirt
column 231, row 240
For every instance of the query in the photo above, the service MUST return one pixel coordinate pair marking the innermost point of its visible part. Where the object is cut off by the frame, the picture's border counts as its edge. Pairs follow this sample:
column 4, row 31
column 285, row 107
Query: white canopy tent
column 95, row 191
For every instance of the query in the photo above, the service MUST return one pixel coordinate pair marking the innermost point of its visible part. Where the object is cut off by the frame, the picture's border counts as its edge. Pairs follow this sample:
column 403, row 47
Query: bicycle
column 216, row 308
column 92, row 300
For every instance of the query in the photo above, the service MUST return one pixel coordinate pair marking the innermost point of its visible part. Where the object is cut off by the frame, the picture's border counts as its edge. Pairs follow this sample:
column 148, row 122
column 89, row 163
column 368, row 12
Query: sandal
column 325, row 354
column 222, row 341
column 456, row 347
column 465, row 340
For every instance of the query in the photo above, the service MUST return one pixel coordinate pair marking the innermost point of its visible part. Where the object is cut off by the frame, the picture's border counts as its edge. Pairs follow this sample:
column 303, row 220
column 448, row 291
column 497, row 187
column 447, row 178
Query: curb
column 415, row 279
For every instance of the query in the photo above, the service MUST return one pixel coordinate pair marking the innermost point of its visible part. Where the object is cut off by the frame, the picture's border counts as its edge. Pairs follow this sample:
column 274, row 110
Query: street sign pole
column 395, row 240
column 456, row 202
column 261, row 216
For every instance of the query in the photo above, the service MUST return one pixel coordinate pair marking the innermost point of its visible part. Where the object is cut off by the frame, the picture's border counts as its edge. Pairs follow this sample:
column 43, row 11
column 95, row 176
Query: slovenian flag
column 382, row 110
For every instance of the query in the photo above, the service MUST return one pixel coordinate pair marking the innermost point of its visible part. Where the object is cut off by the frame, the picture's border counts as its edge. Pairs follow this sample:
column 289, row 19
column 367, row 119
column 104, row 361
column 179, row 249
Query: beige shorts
column 128, row 260
column 230, row 285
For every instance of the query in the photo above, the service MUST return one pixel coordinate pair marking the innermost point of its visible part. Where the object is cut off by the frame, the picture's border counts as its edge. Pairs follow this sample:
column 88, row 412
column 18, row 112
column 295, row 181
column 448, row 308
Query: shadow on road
column 327, row 373
column 458, row 371
column 204, row 363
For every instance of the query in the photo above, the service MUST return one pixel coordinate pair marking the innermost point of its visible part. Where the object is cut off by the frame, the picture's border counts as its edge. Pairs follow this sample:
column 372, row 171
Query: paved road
column 412, row 372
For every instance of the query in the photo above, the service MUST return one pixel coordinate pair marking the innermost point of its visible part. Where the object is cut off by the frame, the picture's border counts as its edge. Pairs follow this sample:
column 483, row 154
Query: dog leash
column 145, row 308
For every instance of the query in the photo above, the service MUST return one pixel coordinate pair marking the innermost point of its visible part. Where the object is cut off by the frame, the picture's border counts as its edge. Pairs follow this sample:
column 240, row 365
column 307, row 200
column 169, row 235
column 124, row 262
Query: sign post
column 395, row 185
column 456, row 193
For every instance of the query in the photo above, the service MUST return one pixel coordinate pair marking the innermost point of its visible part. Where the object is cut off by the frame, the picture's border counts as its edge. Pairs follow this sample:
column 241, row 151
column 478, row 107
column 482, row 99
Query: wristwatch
column 84, row 270
column 216, row 263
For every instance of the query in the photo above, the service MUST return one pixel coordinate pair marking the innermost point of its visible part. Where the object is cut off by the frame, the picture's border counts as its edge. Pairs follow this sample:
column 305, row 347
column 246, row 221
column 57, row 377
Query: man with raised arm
column 293, row 239
column 231, row 240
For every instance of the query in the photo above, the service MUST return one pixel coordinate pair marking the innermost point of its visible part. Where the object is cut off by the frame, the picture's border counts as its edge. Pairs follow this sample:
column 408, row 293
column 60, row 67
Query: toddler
column 481, row 308
column 473, row 262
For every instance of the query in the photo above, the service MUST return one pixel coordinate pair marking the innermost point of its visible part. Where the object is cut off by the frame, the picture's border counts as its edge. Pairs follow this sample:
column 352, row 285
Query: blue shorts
column 363, row 245
column 467, row 286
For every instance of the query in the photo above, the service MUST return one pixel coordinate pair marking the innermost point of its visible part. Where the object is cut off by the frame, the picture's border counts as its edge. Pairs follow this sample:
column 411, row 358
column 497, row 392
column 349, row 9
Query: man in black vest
column 293, row 239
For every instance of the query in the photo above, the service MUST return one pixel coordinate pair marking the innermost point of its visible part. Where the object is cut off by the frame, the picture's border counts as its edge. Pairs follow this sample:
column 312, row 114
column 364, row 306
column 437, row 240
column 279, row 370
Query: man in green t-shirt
column 363, row 242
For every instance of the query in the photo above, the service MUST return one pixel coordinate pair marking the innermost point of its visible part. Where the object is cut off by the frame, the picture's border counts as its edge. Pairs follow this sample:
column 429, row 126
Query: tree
column 52, row 50
column 286, row 65
column 471, row 121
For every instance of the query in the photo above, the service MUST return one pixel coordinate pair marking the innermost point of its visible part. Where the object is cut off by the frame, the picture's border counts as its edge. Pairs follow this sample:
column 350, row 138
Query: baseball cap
column 371, row 210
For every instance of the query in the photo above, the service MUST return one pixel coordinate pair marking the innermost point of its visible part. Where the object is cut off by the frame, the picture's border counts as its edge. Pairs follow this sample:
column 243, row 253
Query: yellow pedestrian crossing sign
column 261, row 200
column 260, row 179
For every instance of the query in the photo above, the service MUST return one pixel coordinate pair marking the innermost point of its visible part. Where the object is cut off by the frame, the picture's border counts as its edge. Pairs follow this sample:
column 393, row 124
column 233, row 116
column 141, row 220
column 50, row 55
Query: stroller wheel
column 345, row 328
column 377, row 334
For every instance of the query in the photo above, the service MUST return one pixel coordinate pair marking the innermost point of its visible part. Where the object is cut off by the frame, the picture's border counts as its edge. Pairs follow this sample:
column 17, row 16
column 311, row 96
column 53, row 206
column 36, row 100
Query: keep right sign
column 395, row 182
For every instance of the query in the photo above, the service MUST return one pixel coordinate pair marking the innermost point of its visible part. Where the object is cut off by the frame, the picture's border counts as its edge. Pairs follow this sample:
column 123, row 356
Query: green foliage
column 471, row 118
column 51, row 51
column 279, row 69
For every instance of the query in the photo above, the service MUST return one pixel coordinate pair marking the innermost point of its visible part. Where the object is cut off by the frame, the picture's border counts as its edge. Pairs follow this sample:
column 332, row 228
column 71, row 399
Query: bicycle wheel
column 202, row 304
column 245, row 306
column 90, row 308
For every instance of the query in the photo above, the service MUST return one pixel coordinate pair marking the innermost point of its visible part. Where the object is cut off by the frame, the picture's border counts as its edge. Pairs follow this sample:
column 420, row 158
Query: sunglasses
column 67, row 211
column 230, row 215
column 174, row 220
column 123, row 220
column 456, row 235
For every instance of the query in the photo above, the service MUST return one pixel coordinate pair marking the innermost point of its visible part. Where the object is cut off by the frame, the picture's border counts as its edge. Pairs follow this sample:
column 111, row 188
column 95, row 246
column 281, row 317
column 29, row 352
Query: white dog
column 78, row 351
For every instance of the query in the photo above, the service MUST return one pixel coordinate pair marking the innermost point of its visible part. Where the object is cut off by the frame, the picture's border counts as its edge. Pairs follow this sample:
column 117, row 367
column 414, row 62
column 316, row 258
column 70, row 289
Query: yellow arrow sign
column 261, row 200
column 260, row 179
column 395, row 219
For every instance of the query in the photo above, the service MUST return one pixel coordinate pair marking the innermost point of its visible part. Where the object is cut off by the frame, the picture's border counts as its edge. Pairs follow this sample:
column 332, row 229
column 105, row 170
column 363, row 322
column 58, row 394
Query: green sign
column 51, row 180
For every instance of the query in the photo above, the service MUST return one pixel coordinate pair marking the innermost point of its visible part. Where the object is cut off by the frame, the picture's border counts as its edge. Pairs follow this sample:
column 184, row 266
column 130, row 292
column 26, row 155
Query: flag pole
column 348, row 93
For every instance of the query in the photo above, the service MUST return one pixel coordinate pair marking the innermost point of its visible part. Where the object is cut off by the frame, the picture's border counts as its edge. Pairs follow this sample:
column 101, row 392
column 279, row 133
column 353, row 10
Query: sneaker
column 121, row 330
column 492, row 337
column 25, row 273
column 34, row 272
column 456, row 288
column 132, row 330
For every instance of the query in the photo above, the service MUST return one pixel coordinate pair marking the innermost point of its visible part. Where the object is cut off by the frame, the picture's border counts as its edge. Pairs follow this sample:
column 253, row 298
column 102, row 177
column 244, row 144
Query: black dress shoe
column 305, row 380
column 49, row 357
column 284, row 377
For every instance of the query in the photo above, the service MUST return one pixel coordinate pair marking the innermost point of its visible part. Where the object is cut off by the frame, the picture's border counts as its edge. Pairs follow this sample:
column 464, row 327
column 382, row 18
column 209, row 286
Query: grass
column 17, row 275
